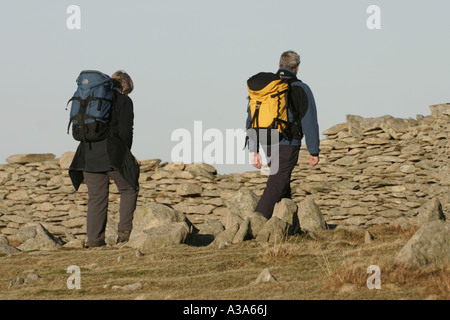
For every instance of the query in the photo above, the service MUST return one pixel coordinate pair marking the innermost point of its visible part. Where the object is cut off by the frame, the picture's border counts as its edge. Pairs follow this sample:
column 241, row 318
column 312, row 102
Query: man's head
column 290, row 60
column 123, row 82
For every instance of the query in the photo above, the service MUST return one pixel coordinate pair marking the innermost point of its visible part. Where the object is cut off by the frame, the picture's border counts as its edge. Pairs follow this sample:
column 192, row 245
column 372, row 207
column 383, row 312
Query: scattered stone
column 368, row 237
column 264, row 276
column 139, row 254
column 31, row 277
column 128, row 287
column 16, row 282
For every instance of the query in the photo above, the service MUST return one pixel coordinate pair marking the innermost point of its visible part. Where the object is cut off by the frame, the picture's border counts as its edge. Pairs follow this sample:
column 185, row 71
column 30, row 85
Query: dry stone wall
column 371, row 171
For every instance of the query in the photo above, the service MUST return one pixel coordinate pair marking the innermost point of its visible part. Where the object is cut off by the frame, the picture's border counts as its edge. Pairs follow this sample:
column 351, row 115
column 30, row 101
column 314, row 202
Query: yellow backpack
column 268, row 103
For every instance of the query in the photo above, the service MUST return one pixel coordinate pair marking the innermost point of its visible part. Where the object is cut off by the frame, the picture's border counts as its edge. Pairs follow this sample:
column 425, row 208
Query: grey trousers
column 97, row 211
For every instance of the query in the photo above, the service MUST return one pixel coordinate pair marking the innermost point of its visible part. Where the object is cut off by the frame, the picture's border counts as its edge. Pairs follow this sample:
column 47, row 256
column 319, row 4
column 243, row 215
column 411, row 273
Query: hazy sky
column 190, row 61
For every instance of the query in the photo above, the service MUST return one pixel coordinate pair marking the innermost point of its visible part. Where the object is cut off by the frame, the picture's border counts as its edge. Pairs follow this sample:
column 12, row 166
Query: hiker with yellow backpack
column 281, row 111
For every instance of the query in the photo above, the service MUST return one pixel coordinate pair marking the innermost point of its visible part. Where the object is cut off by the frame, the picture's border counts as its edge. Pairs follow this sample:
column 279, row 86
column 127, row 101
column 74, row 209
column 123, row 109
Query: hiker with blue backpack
column 281, row 103
column 102, row 120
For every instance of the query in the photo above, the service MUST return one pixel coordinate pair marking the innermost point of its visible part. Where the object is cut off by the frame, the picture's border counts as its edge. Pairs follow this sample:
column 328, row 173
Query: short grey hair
column 290, row 60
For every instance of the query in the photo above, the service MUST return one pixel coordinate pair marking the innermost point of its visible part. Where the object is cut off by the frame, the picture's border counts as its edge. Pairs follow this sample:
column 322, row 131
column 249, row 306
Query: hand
column 255, row 160
column 313, row 161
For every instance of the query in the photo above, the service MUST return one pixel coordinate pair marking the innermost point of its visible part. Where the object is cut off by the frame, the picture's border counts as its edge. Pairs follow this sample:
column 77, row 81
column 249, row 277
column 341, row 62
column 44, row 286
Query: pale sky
column 190, row 61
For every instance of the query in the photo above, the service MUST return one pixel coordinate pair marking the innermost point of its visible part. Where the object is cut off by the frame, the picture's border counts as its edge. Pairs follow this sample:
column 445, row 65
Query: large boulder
column 41, row 239
column 429, row 246
column 310, row 217
column 168, row 235
column 158, row 225
column 243, row 202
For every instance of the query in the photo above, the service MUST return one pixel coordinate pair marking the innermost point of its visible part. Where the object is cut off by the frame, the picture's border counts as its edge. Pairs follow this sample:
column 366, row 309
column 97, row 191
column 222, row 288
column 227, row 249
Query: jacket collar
column 286, row 73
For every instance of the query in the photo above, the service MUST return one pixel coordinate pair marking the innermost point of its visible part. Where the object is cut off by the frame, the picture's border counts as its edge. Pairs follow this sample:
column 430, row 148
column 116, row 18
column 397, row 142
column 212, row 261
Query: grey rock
column 286, row 210
column 163, row 236
column 440, row 109
column 212, row 227
column 264, row 276
column 31, row 277
column 128, row 287
column 16, row 282
column 43, row 241
column 430, row 211
column 66, row 160
column 198, row 169
column 139, row 254
column 157, row 218
column 274, row 231
column 189, row 190
column 429, row 246
column 310, row 217
column 257, row 222
column 368, row 237
column 243, row 202
column 5, row 248
column 242, row 233
column 226, row 236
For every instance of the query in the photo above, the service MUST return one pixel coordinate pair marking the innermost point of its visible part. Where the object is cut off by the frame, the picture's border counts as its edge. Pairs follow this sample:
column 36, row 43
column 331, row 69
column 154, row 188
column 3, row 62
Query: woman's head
column 123, row 82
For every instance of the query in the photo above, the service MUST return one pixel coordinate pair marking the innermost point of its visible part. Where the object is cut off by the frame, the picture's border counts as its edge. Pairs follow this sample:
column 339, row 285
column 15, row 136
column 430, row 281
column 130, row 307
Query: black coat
column 113, row 153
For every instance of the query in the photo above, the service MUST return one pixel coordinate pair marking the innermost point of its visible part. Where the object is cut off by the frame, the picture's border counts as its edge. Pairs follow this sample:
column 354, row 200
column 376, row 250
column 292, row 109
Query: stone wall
column 371, row 171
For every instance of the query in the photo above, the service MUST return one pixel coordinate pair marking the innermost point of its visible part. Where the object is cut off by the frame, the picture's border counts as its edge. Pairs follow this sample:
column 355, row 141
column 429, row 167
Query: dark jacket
column 302, row 111
column 113, row 153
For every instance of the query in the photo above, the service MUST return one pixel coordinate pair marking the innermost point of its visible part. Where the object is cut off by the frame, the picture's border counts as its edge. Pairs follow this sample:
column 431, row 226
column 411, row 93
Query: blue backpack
column 92, row 103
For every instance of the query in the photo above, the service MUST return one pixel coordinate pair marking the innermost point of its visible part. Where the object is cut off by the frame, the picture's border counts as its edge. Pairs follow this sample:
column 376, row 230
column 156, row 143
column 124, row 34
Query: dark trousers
column 279, row 182
column 97, row 211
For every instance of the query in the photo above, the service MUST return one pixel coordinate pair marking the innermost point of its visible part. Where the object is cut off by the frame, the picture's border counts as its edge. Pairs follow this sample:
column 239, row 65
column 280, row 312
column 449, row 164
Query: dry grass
column 332, row 266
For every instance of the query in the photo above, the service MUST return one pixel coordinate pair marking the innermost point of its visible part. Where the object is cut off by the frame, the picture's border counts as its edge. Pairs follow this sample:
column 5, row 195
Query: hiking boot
column 96, row 244
column 123, row 237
